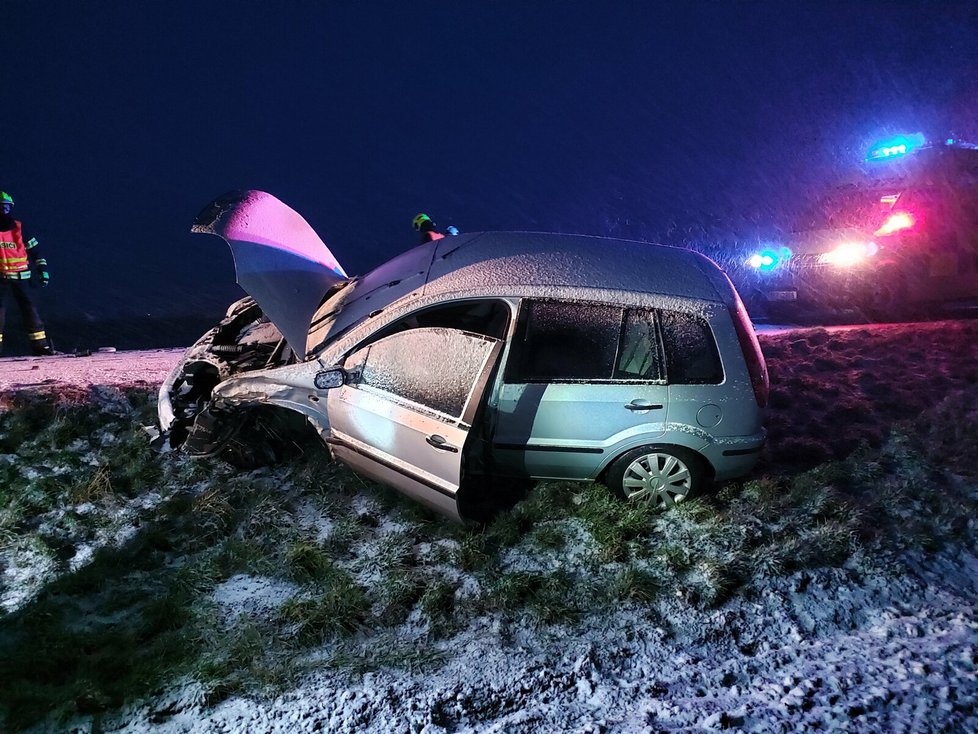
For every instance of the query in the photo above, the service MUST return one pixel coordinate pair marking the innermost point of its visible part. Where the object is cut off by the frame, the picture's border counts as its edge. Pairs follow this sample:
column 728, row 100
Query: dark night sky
column 640, row 119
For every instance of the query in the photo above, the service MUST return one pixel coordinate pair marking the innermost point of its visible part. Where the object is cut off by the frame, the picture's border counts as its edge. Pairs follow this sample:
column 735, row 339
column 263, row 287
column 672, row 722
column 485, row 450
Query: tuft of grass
column 213, row 512
column 389, row 652
column 309, row 562
column 392, row 553
column 708, row 583
column 616, row 526
column 634, row 584
column 438, row 605
column 241, row 659
column 397, row 593
column 473, row 552
column 97, row 489
column 345, row 532
column 339, row 609
column 549, row 536
column 552, row 598
column 236, row 554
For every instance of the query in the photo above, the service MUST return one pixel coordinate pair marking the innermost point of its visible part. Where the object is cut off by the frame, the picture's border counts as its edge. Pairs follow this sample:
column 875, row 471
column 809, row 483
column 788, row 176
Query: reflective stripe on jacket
column 13, row 251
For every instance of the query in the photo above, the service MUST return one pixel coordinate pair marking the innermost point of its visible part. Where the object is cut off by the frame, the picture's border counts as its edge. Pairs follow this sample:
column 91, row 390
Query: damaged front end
column 288, row 273
column 244, row 341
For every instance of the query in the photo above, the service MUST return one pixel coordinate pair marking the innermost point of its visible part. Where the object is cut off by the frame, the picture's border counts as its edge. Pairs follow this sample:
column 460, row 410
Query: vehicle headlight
column 848, row 254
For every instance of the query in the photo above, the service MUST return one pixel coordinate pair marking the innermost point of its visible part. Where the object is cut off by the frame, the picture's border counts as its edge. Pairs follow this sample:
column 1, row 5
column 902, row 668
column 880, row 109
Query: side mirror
column 328, row 379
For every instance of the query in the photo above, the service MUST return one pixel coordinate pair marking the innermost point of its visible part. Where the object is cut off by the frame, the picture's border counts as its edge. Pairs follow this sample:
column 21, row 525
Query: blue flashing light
column 768, row 259
column 895, row 147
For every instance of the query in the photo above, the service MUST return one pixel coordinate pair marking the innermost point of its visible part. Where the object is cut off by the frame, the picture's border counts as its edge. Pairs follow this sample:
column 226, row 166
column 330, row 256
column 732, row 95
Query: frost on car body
column 478, row 362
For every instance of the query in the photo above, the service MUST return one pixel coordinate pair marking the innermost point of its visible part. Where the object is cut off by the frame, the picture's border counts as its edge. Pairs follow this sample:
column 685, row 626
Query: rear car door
column 580, row 378
column 405, row 415
column 695, row 370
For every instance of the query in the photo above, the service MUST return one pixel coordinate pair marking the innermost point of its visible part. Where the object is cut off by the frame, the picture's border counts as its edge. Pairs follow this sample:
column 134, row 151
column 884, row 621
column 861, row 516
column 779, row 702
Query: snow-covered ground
column 874, row 644
column 847, row 649
column 148, row 367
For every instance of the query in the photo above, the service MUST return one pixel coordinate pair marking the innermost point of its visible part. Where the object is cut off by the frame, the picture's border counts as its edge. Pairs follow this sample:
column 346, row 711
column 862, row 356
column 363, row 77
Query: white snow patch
column 254, row 596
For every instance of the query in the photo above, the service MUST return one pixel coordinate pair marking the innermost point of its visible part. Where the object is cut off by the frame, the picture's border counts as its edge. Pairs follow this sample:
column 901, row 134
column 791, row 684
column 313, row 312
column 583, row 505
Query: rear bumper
column 734, row 457
column 822, row 286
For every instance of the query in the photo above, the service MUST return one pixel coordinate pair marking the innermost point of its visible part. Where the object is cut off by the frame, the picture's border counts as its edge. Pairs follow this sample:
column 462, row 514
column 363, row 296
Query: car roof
column 518, row 262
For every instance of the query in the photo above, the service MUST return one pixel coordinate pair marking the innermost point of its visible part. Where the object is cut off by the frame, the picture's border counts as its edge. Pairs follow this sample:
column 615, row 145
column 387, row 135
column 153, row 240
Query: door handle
column 441, row 444
column 643, row 405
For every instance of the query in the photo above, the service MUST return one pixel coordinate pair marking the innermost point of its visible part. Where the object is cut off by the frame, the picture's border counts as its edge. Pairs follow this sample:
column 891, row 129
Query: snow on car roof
column 535, row 259
column 484, row 261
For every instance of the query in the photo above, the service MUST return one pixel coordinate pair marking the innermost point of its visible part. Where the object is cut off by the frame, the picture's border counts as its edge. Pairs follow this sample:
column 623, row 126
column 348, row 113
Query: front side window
column 435, row 368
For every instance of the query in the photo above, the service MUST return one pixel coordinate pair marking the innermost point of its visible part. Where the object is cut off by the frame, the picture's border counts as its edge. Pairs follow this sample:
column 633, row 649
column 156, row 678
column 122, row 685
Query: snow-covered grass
column 141, row 589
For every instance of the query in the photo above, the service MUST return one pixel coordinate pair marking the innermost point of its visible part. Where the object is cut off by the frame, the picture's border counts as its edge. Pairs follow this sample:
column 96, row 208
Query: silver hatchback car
column 480, row 361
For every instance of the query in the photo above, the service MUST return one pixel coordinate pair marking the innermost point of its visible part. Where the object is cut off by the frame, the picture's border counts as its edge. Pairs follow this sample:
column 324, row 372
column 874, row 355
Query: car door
column 580, row 378
column 404, row 416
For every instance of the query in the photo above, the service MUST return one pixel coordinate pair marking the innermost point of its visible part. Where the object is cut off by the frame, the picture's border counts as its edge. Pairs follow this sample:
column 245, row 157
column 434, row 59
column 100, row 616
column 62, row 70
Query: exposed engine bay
column 244, row 341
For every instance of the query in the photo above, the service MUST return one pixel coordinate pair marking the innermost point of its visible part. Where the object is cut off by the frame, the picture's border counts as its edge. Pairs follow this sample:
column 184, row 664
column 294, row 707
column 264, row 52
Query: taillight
column 756, row 366
column 896, row 222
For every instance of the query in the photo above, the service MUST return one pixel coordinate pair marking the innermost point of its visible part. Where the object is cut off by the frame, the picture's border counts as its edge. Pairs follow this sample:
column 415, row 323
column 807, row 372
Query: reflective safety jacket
column 14, row 252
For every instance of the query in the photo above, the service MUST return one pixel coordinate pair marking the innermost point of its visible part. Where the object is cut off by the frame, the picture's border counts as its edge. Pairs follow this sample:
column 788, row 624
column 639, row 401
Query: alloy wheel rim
column 659, row 478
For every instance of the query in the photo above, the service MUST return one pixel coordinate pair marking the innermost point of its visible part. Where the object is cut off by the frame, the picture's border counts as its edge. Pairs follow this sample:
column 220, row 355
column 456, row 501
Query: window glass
column 435, row 368
column 691, row 352
column 566, row 341
column 639, row 357
column 488, row 317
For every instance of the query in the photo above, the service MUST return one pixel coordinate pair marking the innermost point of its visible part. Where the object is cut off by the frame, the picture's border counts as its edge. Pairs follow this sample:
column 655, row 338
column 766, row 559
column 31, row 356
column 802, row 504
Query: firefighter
column 424, row 225
column 18, row 253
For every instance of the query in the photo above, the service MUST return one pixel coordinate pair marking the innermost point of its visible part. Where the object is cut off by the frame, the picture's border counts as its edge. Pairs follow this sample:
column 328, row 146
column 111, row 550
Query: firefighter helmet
column 6, row 200
column 419, row 221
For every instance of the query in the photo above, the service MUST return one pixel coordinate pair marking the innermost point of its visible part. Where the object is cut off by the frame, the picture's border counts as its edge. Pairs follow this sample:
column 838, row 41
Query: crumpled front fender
column 292, row 387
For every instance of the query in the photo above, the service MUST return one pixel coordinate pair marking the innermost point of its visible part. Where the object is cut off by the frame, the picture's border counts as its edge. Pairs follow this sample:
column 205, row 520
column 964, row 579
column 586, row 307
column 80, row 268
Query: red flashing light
column 896, row 222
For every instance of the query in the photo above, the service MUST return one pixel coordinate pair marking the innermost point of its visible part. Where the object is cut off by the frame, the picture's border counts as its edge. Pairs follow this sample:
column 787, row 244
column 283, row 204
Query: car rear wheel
column 660, row 475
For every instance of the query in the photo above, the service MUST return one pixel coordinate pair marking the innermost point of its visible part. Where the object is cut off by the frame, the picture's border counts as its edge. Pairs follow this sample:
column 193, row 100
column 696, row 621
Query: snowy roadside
column 879, row 642
column 829, row 651
column 149, row 367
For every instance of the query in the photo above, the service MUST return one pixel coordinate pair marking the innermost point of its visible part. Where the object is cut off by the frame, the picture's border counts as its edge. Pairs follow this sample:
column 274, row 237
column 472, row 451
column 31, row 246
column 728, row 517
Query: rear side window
column 558, row 341
column 691, row 351
column 640, row 356
column 566, row 341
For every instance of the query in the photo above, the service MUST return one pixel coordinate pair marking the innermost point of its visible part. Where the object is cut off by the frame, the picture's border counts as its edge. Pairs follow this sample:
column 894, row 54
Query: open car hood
column 279, row 259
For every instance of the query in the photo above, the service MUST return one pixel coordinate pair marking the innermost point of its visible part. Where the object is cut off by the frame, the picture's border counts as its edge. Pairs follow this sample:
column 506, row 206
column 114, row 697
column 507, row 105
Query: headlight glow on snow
column 768, row 259
column 848, row 254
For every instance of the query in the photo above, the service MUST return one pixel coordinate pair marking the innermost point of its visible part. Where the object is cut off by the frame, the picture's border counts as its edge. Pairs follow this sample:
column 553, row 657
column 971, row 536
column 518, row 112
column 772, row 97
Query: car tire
column 662, row 475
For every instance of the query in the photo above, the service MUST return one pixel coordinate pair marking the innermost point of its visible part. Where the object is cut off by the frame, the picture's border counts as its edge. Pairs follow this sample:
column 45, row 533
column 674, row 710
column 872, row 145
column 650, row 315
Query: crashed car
column 476, row 363
column 903, row 235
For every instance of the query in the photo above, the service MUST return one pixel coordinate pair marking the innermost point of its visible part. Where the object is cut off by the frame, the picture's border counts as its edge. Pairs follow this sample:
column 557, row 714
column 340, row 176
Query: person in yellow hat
column 18, row 252
column 426, row 228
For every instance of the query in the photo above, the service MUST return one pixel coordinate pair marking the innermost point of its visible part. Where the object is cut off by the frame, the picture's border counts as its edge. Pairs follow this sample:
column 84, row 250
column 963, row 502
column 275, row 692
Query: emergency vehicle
column 902, row 235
